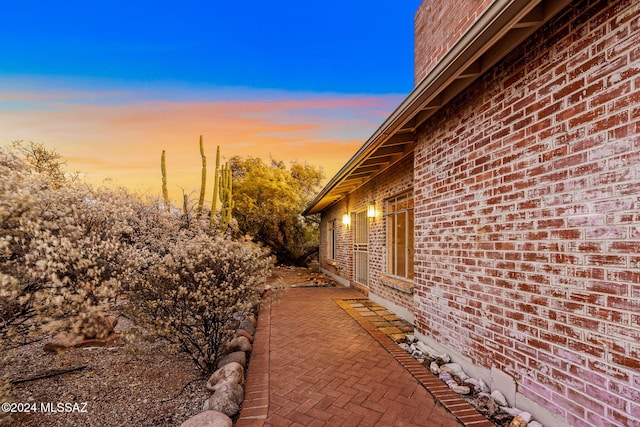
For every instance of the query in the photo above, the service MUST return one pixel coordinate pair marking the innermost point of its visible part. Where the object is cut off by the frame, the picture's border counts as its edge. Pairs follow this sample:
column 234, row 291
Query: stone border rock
column 490, row 403
column 454, row 403
column 227, row 382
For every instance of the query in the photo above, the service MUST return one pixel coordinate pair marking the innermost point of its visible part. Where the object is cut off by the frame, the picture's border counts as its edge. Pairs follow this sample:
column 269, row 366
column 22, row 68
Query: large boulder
column 239, row 344
column 248, row 325
column 237, row 357
column 243, row 333
column 227, row 399
column 232, row 373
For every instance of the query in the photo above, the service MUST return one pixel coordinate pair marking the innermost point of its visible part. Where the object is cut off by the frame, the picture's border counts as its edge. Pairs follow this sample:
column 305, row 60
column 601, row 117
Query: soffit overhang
column 503, row 26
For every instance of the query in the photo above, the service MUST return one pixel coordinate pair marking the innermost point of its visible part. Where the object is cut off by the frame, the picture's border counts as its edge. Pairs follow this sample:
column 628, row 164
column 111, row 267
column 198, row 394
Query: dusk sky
column 110, row 85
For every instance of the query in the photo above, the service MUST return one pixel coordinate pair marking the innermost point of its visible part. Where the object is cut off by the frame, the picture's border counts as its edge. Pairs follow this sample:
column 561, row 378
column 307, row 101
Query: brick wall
column 394, row 181
column 342, row 265
column 527, row 191
column 438, row 26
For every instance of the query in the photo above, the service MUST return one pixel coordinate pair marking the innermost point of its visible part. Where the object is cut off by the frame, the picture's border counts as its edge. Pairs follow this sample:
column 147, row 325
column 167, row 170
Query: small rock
column 511, row 411
column 517, row 422
column 461, row 389
column 452, row 368
column 426, row 349
column 410, row 338
column 231, row 372
column 417, row 354
column 208, row 419
column 434, row 368
column 243, row 333
column 499, row 398
column 443, row 358
column 445, row 376
column 237, row 356
column 460, row 376
column 526, row 416
column 483, row 387
column 535, row 424
column 502, row 419
column 472, row 386
column 485, row 404
column 474, row 382
column 226, row 399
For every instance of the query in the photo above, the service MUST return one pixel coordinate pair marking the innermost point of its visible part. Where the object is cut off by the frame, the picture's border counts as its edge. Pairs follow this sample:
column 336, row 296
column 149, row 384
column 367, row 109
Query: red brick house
column 498, row 207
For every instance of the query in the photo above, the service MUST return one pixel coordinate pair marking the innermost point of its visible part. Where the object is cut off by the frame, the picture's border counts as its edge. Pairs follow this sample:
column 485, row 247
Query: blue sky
column 330, row 46
column 332, row 71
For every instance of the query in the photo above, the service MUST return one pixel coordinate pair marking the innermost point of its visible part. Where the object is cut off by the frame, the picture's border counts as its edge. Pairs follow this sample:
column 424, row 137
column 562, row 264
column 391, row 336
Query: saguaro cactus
column 165, row 191
column 185, row 203
column 216, row 179
column 226, row 196
column 222, row 189
column 203, row 181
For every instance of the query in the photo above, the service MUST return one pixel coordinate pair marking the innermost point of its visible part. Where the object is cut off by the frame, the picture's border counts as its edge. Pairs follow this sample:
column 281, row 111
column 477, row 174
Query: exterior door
column 361, row 248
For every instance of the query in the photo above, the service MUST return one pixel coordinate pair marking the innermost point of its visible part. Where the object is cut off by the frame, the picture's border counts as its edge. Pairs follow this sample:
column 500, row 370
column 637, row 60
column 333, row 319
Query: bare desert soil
column 141, row 382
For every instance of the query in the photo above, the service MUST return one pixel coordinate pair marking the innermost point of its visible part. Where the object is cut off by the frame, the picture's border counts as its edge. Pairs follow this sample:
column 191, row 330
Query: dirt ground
column 136, row 382
column 299, row 277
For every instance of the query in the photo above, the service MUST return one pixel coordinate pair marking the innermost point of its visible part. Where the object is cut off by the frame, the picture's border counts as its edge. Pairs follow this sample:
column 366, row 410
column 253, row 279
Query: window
column 399, row 219
column 361, row 248
column 331, row 239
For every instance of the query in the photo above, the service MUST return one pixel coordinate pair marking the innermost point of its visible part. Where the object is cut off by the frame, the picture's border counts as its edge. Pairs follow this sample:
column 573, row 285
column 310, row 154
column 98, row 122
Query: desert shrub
column 55, row 261
column 190, row 297
column 44, row 161
column 68, row 251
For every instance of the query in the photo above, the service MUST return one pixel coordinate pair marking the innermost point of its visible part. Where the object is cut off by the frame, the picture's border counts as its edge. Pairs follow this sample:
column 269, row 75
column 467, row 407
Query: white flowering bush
column 68, row 251
column 190, row 297
column 54, row 265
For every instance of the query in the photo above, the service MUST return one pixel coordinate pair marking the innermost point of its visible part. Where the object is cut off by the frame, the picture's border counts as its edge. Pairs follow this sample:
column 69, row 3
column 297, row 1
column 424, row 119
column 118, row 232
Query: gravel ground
column 140, row 382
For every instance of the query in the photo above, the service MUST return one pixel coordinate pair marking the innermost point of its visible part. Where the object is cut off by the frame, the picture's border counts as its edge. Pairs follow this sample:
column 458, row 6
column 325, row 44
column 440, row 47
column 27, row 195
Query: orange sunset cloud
column 110, row 137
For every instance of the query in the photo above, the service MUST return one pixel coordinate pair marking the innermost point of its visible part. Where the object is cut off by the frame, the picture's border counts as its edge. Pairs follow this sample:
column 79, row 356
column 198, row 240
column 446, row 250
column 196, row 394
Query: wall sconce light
column 371, row 210
column 346, row 219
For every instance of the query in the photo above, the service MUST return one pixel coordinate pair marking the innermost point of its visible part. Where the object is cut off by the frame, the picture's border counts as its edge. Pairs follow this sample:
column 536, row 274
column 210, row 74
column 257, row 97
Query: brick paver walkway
column 313, row 364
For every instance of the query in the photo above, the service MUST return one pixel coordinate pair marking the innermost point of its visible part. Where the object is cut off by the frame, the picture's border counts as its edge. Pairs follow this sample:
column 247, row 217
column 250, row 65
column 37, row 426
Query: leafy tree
column 269, row 199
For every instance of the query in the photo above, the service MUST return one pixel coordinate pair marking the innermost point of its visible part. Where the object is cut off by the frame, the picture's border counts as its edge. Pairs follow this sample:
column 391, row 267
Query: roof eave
column 503, row 26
